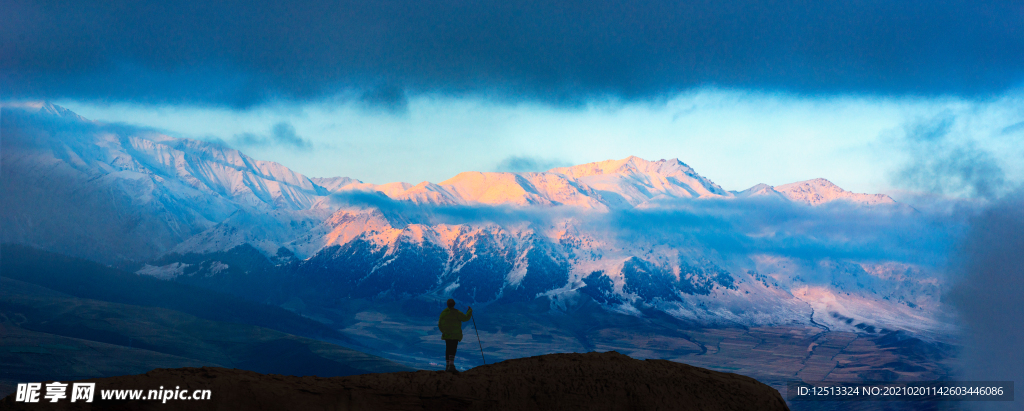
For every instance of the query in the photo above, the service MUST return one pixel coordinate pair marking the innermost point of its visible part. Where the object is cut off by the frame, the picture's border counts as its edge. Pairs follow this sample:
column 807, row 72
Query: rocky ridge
column 591, row 381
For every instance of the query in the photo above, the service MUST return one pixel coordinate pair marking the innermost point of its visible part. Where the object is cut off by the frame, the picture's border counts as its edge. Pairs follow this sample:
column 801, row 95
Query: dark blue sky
column 243, row 53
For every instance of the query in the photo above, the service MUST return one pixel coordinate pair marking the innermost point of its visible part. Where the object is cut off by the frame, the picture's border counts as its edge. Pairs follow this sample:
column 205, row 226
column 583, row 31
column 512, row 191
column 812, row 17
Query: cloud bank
column 243, row 53
column 990, row 295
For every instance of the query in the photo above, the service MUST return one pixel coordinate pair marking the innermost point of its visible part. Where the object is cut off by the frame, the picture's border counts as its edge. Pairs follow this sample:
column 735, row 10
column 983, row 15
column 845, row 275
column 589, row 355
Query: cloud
column 242, row 53
column 388, row 98
column 284, row 134
column 521, row 164
column 251, row 140
column 1013, row 128
column 763, row 225
column 989, row 295
column 404, row 212
column 945, row 161
column 730, row 227
column 281, row 135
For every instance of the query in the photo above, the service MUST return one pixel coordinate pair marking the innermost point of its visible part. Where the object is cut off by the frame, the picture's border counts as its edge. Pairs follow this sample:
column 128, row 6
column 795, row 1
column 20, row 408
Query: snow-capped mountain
column 116, row 193
column 815, row 192
column 633, row 181
column 364, row 253
column 820, row 191
column 760, row 190
column 614, row 184
column 601, row 230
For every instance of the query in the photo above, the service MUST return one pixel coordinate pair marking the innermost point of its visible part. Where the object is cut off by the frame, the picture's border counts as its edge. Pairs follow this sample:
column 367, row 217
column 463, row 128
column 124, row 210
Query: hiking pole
column 478, row 341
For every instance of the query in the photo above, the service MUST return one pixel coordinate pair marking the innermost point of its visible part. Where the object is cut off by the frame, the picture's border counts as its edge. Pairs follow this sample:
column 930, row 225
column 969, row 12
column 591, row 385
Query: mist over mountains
column 630, row 234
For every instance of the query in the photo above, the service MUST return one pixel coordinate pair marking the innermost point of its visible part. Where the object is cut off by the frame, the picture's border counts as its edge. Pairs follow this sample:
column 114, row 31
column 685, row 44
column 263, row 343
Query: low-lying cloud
column 730, row 227
column 773, row 226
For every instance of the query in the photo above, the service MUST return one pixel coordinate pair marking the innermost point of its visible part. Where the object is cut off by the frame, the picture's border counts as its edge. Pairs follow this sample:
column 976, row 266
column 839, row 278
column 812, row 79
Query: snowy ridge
column 44, row 108
column 605, row 185
column 170, row 193
column 760, row 190
column 820, row 191
column 634, row 181
column 520, row 189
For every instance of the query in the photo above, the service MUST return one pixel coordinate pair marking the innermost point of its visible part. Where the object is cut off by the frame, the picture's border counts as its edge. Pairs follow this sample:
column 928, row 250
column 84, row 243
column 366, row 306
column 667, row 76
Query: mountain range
column 630, row 234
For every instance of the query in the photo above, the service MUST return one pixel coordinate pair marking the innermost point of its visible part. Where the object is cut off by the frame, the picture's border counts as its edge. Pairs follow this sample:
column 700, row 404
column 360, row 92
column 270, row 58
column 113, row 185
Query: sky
column 898, row 97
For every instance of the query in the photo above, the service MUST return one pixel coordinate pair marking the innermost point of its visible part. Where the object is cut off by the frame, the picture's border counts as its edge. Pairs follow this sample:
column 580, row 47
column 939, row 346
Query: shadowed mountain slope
column 86, row 279
column 50, row 336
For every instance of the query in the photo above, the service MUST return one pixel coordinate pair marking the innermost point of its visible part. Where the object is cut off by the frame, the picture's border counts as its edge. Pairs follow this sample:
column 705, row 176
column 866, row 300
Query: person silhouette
column 450, row 324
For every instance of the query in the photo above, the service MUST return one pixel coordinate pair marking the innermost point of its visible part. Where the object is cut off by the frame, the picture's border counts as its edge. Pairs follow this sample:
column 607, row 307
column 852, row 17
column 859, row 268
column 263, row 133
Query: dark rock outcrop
column 592, row 381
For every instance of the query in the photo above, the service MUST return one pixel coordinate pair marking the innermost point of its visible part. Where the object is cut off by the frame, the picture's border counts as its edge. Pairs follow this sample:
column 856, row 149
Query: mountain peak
column 821, row 182
column 819, row 191
column 628, row 165
column 45, row 108
column 633, row 180
column 758, row 190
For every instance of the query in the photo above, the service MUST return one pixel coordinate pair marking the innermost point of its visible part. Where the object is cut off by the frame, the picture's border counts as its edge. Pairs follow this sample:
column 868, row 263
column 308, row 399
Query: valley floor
column 773, row 355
